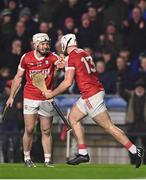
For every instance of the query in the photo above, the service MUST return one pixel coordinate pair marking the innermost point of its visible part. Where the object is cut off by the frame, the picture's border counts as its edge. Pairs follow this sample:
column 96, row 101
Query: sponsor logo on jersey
column 46, row 72
column 31, row 64
column 39, row 64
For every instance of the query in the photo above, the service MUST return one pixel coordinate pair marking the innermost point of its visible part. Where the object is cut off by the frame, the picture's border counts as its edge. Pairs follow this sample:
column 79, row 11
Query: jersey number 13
column 89, row 64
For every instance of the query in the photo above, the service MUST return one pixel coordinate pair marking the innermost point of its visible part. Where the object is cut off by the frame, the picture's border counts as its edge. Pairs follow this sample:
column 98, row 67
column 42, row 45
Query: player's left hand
column 48, row 94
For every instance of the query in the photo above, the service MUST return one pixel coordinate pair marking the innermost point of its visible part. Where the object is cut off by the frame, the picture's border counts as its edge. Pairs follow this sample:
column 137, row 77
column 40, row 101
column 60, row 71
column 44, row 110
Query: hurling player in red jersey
column 41, row 60
column 81, row 67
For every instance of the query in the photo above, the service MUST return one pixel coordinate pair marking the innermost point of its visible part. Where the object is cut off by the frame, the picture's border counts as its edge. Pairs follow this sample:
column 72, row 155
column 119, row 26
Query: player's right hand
column 48, row 94
column 9, row 102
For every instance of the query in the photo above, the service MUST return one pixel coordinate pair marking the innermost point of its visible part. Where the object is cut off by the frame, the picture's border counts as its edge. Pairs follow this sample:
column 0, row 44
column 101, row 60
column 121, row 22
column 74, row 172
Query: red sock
column 82, row 149
column 128, row 145
column 82, row 146
column 131, row 147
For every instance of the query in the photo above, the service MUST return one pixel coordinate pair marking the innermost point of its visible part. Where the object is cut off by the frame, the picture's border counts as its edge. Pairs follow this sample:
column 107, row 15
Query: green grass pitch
column 64, row 171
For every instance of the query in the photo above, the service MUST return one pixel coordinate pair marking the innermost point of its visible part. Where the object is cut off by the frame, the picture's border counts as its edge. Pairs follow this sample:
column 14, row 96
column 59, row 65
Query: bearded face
column 43, row 48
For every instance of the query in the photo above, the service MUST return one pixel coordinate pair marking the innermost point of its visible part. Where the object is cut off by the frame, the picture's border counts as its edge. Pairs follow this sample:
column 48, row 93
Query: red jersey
column 31, row 64
column 85, row 73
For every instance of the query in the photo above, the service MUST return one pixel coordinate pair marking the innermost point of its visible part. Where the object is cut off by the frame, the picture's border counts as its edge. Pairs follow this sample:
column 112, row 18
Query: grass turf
column 63, row 171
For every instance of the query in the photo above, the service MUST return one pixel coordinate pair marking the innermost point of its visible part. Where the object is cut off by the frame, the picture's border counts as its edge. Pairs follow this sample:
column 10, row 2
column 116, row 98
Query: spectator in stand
column 6, row 29
column 142, row 5
column 123, row 75
column 69, row 8
column 111, row 39
column 85, row 34
column 125, row 53
column 12, row 58
column 6, row 22
column 32, row 4
column 26, row 18
column 69, row 25
column 22, row 34
column 107, row 78
column 135, row 32
column 135, row 64
column 141, row 74
column 117, row 11
column 44, row 27
column 108, row 59
column 13, row 7
column 95, row 21
column 47, row 27
column 47, row 10
column 136, row 114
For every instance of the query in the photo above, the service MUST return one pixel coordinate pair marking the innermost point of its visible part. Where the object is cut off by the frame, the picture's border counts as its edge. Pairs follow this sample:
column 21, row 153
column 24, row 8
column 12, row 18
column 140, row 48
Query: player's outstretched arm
column 15, row 87
column 63, row 86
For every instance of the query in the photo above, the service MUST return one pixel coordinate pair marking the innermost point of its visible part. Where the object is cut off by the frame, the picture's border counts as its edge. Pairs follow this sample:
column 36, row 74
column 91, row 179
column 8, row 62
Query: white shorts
column 92, row 106
column 41, row 107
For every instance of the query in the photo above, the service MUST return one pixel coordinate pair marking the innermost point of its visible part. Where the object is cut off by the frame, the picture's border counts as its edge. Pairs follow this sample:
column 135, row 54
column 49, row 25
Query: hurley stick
column 38, row 80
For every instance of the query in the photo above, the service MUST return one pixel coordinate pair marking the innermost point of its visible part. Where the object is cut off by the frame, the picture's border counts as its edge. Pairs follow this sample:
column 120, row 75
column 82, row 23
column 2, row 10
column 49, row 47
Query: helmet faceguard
column 40, row 37
column 67, row 41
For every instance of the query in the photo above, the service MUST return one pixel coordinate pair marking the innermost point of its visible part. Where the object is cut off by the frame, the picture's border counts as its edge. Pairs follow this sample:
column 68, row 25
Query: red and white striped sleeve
column 69, row 63
column 22, row 64
column 55, row 58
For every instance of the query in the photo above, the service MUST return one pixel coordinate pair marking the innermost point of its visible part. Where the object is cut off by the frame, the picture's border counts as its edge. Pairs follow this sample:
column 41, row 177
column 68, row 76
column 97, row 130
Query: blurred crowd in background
column 112, row 31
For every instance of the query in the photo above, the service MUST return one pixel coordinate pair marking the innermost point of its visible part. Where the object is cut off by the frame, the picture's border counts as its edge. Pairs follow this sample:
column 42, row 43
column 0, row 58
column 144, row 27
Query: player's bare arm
column 64, row 85
column 15, row 86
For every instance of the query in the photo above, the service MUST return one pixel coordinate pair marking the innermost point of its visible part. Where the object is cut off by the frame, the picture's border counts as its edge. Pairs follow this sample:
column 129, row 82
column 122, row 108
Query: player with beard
column 35, row 105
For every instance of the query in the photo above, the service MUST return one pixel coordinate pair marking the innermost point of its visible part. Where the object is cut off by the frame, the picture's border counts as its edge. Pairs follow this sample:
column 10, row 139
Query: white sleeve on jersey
column 66, row 64
column 21, row 64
